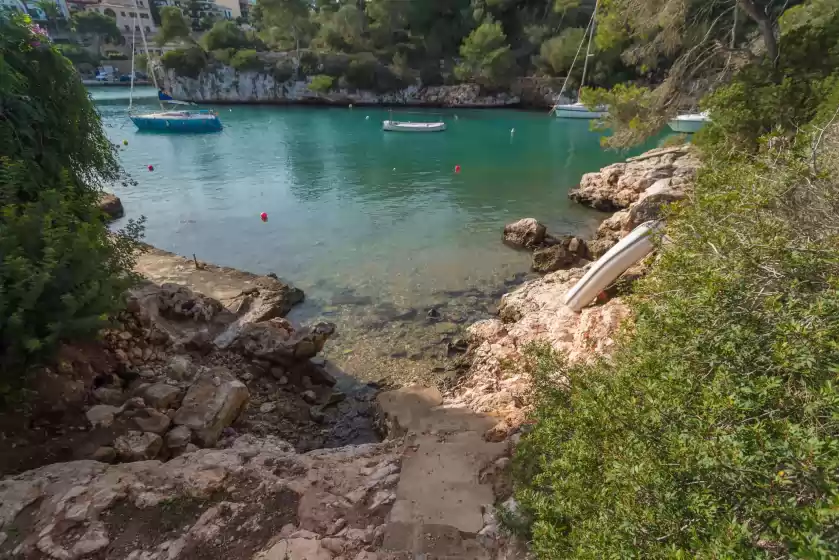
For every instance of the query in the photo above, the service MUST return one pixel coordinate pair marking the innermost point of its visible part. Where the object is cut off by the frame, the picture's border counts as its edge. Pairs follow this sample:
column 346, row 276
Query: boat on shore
column 689, row 123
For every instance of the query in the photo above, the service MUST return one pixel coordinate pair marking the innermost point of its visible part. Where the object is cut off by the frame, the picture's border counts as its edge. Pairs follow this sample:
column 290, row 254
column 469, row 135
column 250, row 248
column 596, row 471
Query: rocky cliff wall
column 224, row 84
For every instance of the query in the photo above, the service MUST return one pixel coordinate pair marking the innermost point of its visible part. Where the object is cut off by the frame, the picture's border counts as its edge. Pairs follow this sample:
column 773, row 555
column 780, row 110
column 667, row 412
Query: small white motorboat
column 689, row 123
column 579, row 111
column 408, row 126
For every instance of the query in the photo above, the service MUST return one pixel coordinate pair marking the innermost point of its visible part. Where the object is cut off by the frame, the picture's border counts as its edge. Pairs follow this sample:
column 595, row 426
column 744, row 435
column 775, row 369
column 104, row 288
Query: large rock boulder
column 138, row 446
column 526, row 233
column 276, row 341
column 617, row 186
column 211, row 404
column 111, row 206
column 565, row 252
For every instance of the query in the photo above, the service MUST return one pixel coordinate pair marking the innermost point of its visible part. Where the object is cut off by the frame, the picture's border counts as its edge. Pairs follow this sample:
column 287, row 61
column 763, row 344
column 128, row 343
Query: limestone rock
column 161, row 396
column 180, row 368
column 559, row 256
column 150, row 420
column 617, row 186
column 109, row 395
column 296, row 549
column 111, row 205
column 276, row 341
column 211, row 404
column 104, row 454
column 138, row 446
column 526, row 233
column 178, row 438
column 102, row 415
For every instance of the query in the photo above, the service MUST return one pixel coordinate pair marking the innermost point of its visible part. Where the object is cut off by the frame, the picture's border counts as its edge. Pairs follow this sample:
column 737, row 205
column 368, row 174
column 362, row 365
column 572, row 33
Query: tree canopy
column 173, row 26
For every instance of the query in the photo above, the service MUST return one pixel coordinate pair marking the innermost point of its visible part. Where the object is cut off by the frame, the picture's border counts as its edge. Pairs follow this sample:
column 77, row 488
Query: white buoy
column 455, row 117
column 512, row 132
column 350, row 105
column 367, row 118
column 394, row 169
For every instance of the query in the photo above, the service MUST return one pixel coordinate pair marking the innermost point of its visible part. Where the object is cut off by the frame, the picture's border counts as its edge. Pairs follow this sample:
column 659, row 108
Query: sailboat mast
column 133, row 50
column 588, row 49
column 146, row 46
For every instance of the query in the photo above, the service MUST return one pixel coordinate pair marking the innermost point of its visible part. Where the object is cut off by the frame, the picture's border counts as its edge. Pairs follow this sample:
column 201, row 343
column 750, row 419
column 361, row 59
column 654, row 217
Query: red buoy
column 264, row 216
column 457, row 169
column 151, row 168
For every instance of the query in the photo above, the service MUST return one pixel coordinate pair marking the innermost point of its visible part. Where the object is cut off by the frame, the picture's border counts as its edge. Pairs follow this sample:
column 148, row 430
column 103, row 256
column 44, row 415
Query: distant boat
column 578, row 110
column 392, row 125
column 689, row 123
column 201, row 120
column 181, row 120
column 407, row 126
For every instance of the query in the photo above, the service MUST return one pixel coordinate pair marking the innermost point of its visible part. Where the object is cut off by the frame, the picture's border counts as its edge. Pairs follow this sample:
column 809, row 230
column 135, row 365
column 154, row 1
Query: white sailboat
column 689, row 123
column 578, row 110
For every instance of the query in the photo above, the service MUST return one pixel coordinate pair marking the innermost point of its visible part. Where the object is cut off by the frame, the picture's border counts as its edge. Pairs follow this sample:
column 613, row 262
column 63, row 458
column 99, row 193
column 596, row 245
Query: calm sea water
column 356, row 215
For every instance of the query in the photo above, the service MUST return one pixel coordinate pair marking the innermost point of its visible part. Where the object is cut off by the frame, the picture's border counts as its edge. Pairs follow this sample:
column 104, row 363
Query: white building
column 36, row 13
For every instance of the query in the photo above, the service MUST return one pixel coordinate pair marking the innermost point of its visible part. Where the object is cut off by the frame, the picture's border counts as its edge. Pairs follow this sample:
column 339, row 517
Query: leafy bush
column 557, row 54
column 283, row 71
column 223, row 55
column 321, row 83
column 362, row 71
column 227, row 35
column 188, row 62
column 486, row 57
column 61, row 273
column 247, row 59
column 77, row 55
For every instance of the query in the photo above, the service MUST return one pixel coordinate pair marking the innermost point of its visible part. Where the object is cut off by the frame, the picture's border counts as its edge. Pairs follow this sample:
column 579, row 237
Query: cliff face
column 224, row 84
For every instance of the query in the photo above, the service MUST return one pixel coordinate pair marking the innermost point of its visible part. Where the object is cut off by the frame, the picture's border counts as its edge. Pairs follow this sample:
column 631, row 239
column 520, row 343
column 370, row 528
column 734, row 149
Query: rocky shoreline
column 206, row 425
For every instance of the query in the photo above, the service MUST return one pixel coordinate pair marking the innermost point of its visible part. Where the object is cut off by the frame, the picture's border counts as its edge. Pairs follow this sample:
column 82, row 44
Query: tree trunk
column 767, row 29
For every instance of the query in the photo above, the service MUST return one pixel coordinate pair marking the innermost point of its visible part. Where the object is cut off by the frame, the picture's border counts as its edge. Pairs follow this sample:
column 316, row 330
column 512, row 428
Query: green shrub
column 283, row 71
column 247, row 59
column 557, row 54
column 223, row 55
column 309, row 63
column 61, row 273
column 77, row 55
column 486, row 57
column 321, row 83
column 227, row 35
column 188, row 62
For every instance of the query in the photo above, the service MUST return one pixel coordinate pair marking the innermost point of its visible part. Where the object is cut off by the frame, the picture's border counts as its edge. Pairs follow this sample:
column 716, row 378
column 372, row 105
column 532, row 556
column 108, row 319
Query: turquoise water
column 352, row 209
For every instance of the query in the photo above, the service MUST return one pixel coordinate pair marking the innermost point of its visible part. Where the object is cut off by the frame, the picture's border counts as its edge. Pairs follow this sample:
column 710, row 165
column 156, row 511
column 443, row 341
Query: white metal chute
column 629, row 250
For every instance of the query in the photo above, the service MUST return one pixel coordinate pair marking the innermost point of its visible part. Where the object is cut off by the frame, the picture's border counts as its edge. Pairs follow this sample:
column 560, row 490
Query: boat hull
column 397, row 126
column 688, row 124
column 163, row 123
column 578, row 111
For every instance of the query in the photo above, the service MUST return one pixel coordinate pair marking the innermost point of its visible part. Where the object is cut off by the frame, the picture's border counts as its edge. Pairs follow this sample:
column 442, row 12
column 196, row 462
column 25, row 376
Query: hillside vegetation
column 713, row 431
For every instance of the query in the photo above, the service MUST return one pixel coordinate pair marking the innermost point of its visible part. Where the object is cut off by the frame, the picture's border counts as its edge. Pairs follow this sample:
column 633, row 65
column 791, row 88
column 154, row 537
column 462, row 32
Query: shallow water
column 371, row 225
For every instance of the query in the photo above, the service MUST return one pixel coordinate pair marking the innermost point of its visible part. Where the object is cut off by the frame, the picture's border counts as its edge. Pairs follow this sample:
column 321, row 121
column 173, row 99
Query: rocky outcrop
column 111, row 206
column 252, row 297
column 636, row 191
column 526, row 233
column 533, row 312
column 550, row 253
column 225, row 84
column 255, row 499
column 617, row 186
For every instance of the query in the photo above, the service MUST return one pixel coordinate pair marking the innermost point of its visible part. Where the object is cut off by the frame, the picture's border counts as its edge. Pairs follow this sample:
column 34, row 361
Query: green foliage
column 486, row 56
column 626, row 103
column 712, row 431
column 61, row 272
column 342, row 31
column 558, row 53
column 282, row 71
column 77, row 55
column 189, row 62
column 95, row 24
column 173, row 26
column 321, row 83
column 228, row 35
column 247, row 59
